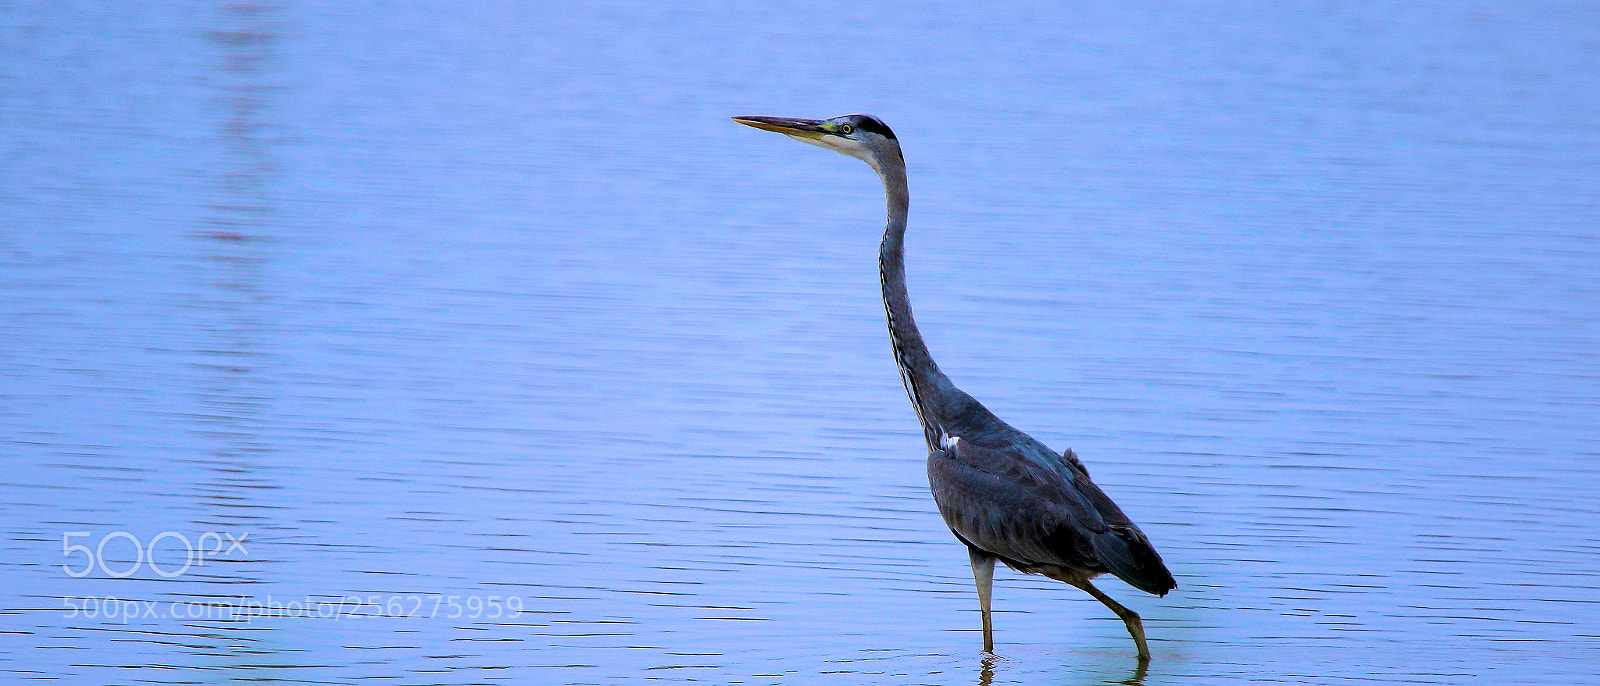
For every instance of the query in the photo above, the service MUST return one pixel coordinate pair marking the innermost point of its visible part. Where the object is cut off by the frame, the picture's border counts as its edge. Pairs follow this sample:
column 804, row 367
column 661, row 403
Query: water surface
column 434, row 306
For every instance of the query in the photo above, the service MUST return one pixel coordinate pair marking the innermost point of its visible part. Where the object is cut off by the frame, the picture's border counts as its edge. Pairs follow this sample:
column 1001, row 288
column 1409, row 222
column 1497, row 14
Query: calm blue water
column 471, row 342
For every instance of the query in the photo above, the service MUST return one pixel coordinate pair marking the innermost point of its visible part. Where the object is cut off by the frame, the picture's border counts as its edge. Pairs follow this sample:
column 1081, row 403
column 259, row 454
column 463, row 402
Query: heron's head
column 861, row 136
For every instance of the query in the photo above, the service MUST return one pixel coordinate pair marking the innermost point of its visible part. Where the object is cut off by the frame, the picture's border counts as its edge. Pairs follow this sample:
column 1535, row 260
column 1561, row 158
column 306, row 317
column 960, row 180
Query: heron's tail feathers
column 1128, row 554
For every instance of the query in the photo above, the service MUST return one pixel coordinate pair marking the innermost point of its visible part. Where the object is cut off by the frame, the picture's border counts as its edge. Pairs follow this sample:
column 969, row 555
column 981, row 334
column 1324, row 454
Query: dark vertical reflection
column 235, row 242
column 1139, row 672
column 234, row 245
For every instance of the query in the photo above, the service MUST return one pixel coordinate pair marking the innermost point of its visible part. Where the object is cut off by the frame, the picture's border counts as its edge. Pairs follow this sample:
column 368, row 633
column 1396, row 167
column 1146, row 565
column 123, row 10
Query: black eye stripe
column 871, row 124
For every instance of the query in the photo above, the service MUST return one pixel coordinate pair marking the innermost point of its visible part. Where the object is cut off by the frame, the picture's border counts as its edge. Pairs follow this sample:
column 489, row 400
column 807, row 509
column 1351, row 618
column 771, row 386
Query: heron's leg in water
column 983, row 576
column 1129, row 617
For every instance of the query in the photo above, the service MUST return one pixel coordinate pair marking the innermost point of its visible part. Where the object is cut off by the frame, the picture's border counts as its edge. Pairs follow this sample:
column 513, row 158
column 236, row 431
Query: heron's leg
column 1129, row 617
column 983, row 576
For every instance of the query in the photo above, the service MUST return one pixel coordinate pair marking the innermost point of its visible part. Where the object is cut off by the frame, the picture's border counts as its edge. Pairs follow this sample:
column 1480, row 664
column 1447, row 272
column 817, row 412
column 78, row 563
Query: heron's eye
column 846, row 129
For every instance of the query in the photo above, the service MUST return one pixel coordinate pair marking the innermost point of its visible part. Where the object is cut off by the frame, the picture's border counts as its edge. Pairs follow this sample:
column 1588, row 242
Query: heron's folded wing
column 1012, row 506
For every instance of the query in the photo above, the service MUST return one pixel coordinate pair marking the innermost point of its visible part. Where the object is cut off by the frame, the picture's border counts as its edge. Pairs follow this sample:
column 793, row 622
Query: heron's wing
column 1017, row 508
column 1012, row 506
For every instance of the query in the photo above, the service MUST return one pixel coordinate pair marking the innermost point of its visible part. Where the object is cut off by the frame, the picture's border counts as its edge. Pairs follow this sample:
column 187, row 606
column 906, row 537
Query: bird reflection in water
column 986, row 671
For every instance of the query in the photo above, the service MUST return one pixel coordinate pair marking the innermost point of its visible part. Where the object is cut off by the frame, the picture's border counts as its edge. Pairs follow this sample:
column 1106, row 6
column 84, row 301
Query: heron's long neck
column 917, row 369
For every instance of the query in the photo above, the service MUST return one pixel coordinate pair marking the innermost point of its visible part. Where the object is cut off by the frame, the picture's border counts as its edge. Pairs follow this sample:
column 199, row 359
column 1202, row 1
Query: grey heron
column 1004, row 494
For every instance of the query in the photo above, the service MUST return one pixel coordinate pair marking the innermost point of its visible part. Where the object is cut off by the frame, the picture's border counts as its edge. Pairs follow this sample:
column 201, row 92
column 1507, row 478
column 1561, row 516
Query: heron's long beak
column 807, row 130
